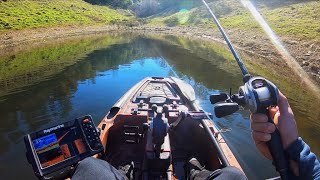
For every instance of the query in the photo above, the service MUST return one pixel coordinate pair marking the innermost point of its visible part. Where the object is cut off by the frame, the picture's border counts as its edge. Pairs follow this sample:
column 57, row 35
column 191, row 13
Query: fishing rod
column 258, row 95
column 242, row 66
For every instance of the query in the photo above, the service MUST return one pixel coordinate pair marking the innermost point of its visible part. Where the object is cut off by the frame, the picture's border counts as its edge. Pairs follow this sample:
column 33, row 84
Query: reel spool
column 257, row 95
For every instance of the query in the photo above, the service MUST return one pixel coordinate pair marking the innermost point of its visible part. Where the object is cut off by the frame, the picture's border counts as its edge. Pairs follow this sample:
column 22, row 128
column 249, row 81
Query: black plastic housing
column 92, row 147
column 224, row 109
column 215, row 98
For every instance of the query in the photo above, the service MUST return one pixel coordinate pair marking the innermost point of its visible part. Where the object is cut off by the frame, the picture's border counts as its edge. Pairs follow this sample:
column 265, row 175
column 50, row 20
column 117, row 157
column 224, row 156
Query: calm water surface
column 59, row 81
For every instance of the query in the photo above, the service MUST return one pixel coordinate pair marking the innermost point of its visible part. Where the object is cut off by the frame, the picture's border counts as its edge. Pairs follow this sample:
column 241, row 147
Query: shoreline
column 305, row 53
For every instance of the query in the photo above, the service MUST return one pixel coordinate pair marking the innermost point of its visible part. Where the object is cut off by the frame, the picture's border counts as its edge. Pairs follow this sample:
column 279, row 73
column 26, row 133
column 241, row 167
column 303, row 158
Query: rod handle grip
column 276, row 149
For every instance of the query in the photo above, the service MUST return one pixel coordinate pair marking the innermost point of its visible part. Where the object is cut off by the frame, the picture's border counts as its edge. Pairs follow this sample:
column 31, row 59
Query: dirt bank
column 306, row 53
column 14, row 38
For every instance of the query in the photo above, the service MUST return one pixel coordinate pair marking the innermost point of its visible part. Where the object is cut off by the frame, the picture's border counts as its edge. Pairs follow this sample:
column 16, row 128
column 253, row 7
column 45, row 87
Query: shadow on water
column 60, row 81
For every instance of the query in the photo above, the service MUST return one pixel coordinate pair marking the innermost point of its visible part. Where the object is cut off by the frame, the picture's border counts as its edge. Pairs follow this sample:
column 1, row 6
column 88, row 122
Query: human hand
column 283, row 119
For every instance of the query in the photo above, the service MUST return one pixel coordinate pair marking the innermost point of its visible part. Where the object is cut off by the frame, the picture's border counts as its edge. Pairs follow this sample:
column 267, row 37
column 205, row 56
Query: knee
column 87, row 162
column 234, row 173
column 92, row 168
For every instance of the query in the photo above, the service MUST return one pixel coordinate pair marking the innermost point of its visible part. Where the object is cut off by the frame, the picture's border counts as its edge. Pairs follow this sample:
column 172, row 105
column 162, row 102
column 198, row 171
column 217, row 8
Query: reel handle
column 277, row 151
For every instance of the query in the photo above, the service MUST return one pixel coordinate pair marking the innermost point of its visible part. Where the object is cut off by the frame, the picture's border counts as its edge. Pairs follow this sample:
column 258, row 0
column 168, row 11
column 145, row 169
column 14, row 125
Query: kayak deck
column 146, row 127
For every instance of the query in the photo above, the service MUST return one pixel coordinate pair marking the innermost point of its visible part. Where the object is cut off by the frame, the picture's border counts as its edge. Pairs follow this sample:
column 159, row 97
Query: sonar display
column 59, row 146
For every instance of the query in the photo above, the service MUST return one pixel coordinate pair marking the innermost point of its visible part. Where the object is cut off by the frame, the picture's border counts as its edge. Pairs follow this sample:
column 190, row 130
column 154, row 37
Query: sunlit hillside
column 292, row 18
column 23, row 14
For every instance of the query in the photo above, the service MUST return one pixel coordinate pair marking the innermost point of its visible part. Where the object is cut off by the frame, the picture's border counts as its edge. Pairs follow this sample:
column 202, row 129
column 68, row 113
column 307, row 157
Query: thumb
column 274, row 114
column 273, row 111
column 283, row 104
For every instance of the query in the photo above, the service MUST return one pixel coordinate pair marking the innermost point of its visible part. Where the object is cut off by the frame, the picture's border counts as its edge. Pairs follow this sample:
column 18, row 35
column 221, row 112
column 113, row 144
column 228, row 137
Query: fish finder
column 62, row 146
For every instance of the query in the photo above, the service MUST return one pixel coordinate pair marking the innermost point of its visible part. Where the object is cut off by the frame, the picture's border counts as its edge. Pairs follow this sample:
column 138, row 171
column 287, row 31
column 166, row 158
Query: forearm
column 308, row 164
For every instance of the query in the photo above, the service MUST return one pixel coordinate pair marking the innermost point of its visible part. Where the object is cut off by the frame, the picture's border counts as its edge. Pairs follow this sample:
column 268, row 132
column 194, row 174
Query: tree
column 145, row 8
column 114, row 3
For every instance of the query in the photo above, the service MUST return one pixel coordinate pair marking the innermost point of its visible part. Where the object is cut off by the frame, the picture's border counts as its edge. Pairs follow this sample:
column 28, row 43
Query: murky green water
column 61, row 80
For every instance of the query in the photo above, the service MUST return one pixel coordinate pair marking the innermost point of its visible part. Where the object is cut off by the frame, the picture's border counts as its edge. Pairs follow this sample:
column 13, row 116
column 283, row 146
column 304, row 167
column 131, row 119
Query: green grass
column 16, row 15
column 180, row 19
column 300, row 20
column 230, row 13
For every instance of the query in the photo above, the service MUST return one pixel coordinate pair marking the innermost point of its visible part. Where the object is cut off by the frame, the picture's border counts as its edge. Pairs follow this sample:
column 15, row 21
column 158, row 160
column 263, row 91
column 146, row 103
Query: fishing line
column 170, row 68
column 206, row 126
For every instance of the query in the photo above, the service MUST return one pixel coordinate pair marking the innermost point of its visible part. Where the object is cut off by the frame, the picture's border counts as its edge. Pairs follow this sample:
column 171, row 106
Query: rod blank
column 242, row 66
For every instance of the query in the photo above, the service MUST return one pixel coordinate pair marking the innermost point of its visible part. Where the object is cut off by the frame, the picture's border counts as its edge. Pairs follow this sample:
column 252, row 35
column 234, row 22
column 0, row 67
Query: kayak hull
column 151, row 127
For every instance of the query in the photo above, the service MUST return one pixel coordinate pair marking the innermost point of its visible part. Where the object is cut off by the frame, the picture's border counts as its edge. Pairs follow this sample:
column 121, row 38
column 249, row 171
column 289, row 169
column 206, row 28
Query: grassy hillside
column 290, row 18
column 15, row 15
column 300, row 20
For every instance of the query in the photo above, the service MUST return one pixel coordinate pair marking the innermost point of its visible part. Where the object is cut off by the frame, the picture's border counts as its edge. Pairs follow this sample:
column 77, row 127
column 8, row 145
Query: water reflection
column 87, row 76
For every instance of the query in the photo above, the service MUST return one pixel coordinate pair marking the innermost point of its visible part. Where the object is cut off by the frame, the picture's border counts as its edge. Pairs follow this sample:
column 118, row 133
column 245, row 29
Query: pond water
column 49, row 83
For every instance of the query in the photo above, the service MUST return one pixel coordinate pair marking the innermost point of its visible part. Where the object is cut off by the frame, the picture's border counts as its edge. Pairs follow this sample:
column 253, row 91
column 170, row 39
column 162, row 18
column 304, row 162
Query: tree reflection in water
column 47, row 85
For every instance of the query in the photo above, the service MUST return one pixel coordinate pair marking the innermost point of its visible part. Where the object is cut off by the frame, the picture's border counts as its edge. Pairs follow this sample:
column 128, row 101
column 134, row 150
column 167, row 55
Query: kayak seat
column 190, row 140
column 126, row 142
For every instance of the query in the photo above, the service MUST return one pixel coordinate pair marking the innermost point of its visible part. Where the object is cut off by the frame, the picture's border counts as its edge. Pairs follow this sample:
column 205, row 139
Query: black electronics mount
column 55, row 149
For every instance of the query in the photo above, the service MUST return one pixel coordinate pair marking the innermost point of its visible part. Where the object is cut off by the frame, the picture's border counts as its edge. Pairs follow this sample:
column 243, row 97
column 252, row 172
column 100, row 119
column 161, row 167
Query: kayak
column 157, row 126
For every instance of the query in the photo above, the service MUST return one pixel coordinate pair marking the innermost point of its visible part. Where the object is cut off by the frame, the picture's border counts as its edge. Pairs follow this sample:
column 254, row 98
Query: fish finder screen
column 58, row 146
